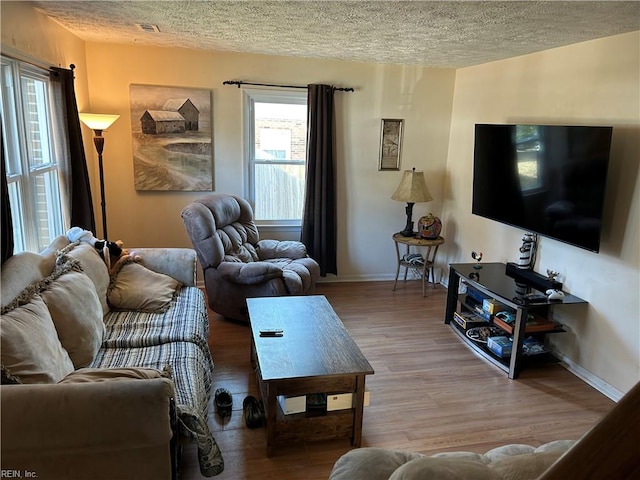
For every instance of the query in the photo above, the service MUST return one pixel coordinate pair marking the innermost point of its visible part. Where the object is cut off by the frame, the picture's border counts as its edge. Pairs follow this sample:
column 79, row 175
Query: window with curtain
column 275, row 136
column 30, row 152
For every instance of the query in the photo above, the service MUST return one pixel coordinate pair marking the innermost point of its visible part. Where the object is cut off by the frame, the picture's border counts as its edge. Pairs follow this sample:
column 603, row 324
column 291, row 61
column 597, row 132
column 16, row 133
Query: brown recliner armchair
column 238, row 265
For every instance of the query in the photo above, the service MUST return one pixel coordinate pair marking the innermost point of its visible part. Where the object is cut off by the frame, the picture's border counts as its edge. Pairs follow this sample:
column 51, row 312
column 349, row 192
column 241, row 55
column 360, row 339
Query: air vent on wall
column 148, row 27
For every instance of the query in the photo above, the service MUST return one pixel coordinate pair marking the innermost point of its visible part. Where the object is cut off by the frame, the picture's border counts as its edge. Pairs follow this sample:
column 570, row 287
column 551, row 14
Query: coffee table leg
column 270, row 413
column 252, row 354
column 358, row 407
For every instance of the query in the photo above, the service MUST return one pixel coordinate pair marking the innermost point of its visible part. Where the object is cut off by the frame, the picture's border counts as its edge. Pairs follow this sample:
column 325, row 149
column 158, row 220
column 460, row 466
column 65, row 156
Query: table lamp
column 412, row 189
column 99, row 122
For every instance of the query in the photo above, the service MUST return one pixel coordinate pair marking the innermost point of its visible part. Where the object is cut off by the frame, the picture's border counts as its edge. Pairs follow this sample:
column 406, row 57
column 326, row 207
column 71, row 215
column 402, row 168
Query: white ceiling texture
column 447, row 34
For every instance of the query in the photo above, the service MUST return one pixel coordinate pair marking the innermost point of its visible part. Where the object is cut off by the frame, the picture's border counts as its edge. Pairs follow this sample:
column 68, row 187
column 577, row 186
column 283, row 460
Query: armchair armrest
column 251, row 273
column 179, row 263
column 269, row 249
column 63, row 430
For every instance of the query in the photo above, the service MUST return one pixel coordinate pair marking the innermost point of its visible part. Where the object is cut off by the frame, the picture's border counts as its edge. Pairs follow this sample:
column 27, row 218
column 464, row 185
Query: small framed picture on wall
column 390, row 144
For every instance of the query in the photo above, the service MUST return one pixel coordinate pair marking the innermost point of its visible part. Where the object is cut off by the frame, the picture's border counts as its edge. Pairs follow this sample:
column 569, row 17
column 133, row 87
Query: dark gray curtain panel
column 78, row 190
column 5, row 214
column 319, row 214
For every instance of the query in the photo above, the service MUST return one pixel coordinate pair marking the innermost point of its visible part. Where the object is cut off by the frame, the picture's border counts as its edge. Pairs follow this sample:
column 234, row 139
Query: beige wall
column 367, row 216
column 591, row 83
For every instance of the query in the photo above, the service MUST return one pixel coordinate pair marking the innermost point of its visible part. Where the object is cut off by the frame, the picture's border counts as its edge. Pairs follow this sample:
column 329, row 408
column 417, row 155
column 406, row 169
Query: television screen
column 546, row 179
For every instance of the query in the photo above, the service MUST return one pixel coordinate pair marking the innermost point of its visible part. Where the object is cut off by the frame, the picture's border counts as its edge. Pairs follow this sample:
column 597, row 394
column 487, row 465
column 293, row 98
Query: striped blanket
column 175, row 340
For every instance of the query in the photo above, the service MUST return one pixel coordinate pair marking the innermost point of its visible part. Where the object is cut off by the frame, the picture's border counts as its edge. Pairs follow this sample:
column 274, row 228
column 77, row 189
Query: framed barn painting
column 172, row 138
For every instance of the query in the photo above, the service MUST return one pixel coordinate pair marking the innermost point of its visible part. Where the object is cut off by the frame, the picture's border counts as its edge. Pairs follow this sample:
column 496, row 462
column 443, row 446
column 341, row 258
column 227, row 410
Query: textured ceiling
column 447, row 34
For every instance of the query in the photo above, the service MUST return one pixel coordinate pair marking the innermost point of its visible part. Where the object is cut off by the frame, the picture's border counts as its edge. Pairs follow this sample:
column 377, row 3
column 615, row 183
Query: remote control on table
column 271, row 332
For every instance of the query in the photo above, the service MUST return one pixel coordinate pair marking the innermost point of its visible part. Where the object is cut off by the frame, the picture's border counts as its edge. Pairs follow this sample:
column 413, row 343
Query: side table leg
column 406, row 269
column 398, row 268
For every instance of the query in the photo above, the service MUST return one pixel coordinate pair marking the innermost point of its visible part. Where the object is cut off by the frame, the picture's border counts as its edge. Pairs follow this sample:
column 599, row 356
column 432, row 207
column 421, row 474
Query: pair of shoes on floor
column 224, row 402
column 253, row 412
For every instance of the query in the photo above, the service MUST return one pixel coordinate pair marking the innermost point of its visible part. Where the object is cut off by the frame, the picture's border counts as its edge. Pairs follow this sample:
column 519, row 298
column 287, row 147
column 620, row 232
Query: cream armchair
column 238, row 265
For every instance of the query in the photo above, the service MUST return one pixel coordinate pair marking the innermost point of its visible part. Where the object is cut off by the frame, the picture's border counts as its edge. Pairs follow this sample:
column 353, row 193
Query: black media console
column 521, row 292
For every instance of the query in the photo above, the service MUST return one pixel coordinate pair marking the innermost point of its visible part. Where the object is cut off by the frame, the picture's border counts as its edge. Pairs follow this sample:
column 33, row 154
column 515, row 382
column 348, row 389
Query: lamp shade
column 98, row 121
column 412, row 188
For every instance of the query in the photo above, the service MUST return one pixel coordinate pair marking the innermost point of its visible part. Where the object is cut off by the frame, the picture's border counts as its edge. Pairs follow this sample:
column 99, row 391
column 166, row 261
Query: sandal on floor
column 253, row 412
column 224, row 402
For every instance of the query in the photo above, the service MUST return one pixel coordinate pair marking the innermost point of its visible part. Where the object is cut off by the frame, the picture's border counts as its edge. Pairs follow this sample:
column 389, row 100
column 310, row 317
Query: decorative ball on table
column 429, row 226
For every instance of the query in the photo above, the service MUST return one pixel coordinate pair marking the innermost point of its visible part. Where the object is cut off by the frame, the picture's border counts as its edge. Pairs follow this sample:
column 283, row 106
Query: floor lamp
column 99, row 122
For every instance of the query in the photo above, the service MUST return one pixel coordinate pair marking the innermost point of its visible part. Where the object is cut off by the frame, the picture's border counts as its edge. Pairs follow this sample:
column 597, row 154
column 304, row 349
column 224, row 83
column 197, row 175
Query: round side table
column 431, row 246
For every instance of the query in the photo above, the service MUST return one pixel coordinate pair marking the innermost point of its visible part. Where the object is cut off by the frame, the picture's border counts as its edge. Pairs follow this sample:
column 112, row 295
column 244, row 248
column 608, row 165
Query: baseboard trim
column 588, row 377
column 355, row 278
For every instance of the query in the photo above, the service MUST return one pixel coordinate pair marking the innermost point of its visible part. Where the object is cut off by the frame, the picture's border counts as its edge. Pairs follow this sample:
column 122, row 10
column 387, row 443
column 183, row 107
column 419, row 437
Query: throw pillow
column 93, row 266
column 77, row 315
column 30, row 347
column 135, row 287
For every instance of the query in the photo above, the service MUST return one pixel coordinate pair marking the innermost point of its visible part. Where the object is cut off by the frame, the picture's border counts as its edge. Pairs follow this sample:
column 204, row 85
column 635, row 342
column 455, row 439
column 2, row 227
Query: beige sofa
column 609, row 450
column 104, row 376
column 508, row 462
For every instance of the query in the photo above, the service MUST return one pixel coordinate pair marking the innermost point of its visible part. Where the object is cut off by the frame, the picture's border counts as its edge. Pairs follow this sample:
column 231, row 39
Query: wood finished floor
column 430, row 392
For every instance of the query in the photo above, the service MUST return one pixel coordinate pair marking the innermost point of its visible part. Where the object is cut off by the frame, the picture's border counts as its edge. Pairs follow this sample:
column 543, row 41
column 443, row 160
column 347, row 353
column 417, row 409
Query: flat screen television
column 545, row 179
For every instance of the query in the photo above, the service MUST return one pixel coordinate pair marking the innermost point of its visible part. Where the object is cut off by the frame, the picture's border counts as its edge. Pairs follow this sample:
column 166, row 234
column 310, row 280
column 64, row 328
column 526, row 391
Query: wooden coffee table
column 315, row 354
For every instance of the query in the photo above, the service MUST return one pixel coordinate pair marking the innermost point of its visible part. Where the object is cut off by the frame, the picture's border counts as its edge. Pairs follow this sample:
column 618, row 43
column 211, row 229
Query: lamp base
column 408, row 233
column 408, row 229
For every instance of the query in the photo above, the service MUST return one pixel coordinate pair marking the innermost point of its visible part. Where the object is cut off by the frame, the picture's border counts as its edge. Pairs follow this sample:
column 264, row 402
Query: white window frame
column 249, row 98
column 21, row 171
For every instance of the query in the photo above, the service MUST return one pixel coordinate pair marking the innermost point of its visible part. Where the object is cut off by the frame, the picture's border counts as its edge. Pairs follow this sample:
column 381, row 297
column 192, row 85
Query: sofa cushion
column 370, row 463
column 30, row 347
column 90, row 375
column 77, row 315
column 135, row 287
column 185, row 321
column 93, row 266
column 269, row 249
column 462, row 455
column 252, row 273
column 556, row 446
column 444, row 469
column 527, row 466
column 191, row 366
column 504, row 451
